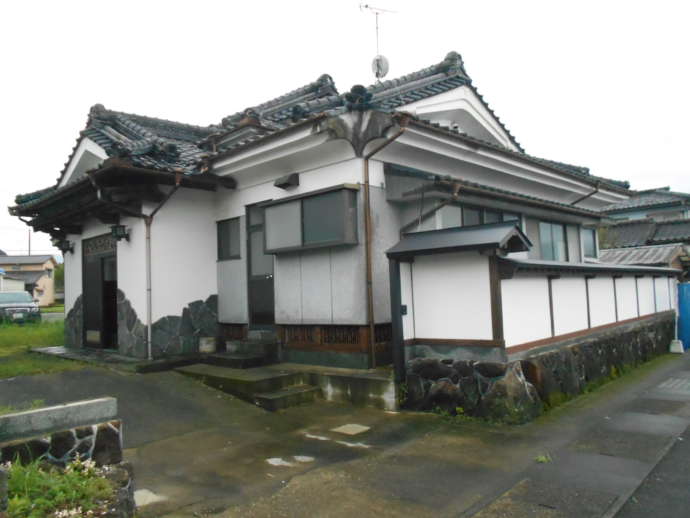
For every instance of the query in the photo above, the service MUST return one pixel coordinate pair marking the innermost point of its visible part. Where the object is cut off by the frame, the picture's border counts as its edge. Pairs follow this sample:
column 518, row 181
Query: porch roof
column 505, row 236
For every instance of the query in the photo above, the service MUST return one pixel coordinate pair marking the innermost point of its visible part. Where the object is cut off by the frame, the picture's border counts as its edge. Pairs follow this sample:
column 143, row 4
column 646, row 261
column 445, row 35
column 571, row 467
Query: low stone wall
column 516, row 391
column 64, row 433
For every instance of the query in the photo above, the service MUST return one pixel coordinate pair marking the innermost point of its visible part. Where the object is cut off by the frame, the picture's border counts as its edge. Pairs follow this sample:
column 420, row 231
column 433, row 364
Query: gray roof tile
column 651, row 255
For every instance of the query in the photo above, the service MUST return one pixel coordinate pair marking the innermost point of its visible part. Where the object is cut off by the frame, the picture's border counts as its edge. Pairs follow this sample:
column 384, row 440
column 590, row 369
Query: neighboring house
column 279, row 218
column 36, row 274
column 673, row 255
column 659, row 204
column 8, row 283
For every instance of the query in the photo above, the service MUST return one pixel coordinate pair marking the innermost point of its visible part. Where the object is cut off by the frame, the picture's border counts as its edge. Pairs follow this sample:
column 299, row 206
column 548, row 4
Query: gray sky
column 600, row 84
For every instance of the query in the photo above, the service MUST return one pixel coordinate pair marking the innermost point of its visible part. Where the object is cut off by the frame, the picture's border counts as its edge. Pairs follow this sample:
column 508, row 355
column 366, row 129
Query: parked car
column 18, row 306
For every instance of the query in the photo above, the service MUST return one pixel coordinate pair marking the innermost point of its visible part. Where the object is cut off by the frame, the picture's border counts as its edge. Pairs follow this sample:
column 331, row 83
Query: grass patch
column 33, row 405
column 17, row 340
column 57, row 308
column 39, row 490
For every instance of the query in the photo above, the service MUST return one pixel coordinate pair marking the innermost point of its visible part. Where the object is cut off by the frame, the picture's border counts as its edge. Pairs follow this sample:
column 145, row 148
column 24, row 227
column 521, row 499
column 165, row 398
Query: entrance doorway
column 259, row 272
column 99, row 279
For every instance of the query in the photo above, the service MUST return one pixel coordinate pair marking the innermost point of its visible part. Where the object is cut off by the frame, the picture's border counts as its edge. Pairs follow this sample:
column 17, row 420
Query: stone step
column 235, row 360
column 267, row 348
column 287, row 397
column 243, row 383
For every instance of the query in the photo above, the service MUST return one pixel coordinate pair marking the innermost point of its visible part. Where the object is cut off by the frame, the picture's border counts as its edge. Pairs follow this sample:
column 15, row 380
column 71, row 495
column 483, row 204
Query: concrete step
column 287, row 397
column 243, row 383
column 235, row 360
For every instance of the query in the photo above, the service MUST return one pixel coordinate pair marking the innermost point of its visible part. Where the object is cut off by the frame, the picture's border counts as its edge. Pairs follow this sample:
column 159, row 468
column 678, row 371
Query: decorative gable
column 87, row 156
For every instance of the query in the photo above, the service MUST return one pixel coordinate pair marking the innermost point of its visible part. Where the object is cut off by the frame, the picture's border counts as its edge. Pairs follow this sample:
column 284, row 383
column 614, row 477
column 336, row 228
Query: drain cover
column 676, row 385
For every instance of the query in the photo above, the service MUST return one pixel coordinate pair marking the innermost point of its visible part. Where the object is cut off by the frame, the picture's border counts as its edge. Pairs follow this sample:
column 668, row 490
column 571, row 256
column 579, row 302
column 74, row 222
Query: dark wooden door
column 259, row 272
column 99, row 289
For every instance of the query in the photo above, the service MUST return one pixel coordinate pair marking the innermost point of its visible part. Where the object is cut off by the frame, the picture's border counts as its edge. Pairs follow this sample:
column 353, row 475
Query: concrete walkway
column 198, row 452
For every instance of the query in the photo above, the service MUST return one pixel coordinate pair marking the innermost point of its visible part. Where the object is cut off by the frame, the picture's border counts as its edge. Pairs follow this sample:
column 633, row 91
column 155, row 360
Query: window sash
column 228, row 238
column 589, row 242
column 553, row 241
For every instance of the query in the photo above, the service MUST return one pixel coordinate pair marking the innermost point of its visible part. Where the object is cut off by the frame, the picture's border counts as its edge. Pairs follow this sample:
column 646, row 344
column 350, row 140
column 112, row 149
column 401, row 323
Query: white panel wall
column 452, row 296
column 232, row 284
column 646, row 291
column 184, row 249
column 627, row 298
column 569, row 304
column 662, row 301
column 601, row 301
column 526, row 314
column 406, row 292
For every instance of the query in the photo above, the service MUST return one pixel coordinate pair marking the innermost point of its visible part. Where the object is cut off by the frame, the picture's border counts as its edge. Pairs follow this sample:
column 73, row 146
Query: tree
column 60, row 277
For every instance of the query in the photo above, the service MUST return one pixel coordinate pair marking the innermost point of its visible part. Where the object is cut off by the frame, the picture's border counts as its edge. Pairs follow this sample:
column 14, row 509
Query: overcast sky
column 603, row 84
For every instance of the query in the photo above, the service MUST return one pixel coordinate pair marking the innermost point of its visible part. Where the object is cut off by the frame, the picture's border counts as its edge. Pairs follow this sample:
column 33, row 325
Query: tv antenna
column 380, row 64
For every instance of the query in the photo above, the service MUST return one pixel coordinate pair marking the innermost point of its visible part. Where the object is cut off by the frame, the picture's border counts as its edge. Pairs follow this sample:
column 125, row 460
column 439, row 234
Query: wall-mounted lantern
column 63, row 245
column 119, row 232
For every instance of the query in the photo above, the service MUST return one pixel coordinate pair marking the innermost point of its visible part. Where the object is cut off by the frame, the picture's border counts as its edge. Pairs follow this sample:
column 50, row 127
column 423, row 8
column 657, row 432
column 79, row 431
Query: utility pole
column 29, row 241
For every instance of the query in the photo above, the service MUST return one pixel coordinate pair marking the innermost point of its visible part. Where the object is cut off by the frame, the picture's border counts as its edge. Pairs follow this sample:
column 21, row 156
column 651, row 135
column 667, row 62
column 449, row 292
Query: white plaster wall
column 569, row 304
column 131, row 265
column 627, row 298
column 184, row 249
column 601, row 301
column 646, row 291
column 256, row 188
column 232, row 284
column 406, row 298
column 662, row 300
column 452, row 296
column 73, row 285
column 673, row 287
column 525, row 309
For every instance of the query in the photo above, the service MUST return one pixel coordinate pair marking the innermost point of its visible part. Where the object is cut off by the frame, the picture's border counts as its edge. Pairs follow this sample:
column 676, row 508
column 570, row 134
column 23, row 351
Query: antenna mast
column 380, row 64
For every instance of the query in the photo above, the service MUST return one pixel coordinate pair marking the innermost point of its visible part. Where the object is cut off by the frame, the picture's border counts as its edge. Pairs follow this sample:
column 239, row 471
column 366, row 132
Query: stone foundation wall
column 100, row 442
column 517, row 391
column 74, row 324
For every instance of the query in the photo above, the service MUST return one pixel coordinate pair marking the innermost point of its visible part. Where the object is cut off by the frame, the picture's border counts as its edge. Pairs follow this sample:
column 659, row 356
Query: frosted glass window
column 553, row 242
column 451, row 216
column 228, row 239
column 589, row 242
column 491, row 217
column 471, row 216
column 323, row 218
column 283, row 225
column 261, row 263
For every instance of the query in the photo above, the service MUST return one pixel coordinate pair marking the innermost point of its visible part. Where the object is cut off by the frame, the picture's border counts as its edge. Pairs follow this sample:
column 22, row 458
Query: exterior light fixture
column 119, row 232
column 63, row 245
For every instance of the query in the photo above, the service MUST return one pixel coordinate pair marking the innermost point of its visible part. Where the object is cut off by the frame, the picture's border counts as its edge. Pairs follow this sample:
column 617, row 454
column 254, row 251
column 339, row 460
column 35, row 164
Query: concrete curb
column 56, row 418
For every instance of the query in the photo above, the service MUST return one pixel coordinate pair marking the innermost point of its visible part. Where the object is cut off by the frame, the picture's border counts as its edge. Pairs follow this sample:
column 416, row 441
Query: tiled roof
column 654, row 254
column 670, row 231
column 641, row 232
column 24, row 259
column 651, row 198
column 171, row 146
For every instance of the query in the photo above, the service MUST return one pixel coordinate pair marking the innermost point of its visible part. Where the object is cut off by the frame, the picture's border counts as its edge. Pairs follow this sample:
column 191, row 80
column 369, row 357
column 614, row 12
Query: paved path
column 210, row 454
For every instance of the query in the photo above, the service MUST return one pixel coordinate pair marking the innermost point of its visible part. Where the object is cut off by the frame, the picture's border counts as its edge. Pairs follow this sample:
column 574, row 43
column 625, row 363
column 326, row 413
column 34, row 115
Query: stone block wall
column 100, row 442
column 170, row 335
column 517, row 390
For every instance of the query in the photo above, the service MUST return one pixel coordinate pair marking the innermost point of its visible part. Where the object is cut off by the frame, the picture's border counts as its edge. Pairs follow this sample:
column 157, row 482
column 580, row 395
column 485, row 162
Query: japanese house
column 276, row 220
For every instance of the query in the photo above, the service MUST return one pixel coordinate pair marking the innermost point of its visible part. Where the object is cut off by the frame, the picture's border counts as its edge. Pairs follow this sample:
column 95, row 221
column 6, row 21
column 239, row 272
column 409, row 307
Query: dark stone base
column 516, row 391
column 101, row 443
column 74, row 324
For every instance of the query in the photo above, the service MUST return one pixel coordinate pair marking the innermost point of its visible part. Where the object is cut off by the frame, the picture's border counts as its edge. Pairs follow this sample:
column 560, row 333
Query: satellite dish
column 380, row 66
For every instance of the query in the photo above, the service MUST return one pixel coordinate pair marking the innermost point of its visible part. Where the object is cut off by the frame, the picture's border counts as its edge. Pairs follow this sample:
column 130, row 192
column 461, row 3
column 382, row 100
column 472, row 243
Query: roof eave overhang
column 509, row 267
column 472, row 145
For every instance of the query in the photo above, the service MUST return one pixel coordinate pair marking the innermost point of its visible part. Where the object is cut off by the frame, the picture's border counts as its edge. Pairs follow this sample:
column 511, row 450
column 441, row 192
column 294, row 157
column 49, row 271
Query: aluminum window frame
column 349, row 219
